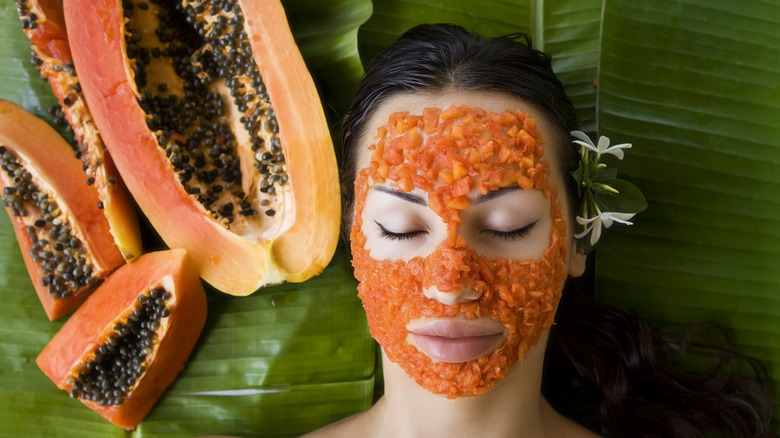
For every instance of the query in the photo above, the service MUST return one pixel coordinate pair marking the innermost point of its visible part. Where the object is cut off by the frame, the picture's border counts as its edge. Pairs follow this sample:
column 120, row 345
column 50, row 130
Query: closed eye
column 516, row 234
column 389, row 235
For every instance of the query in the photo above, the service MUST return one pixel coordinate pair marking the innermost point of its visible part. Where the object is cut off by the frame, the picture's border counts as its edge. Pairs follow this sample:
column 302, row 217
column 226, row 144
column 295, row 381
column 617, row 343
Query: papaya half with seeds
column 217, row 129
column 63, row 235
column 127, row 343
column 44, row 25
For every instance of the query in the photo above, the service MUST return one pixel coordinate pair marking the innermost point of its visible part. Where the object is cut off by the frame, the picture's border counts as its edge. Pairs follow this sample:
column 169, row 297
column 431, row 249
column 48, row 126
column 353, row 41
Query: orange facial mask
column 447, row 154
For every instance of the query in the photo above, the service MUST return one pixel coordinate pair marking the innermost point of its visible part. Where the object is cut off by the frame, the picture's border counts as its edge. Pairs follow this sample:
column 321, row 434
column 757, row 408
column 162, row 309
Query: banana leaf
column 694, row 85
column 326, row 33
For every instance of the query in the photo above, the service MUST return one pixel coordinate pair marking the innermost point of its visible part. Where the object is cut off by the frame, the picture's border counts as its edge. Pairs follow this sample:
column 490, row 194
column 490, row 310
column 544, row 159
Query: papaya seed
column 121, row 359
column 57, row 258
column 205, row 44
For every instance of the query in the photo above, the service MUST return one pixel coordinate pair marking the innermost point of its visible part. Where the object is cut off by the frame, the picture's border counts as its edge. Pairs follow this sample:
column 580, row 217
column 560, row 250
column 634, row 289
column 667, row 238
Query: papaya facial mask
column 454, row 156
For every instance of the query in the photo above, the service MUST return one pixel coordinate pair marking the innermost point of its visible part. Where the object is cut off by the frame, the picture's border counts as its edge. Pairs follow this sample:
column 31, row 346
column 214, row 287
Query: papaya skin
column 50, row 45
column 231, row 263
column 92, row 324
column 40, row 146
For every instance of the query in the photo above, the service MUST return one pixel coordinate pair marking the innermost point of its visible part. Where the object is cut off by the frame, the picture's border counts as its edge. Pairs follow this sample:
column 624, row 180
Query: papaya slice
column 217, row 129
column 127, row 343
column 63, row 235
column 44, row 25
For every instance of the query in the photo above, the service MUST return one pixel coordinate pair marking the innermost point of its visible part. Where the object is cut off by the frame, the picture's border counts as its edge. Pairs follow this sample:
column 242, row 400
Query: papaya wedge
column 64, row 237
column 217, row 129
column 127, row 343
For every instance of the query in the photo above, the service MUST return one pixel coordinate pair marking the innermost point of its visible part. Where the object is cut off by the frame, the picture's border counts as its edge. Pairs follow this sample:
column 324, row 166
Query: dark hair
column 603, row 362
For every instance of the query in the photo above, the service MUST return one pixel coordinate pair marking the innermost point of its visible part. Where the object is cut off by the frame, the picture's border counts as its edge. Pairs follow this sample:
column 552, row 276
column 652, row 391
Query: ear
column 577, row 260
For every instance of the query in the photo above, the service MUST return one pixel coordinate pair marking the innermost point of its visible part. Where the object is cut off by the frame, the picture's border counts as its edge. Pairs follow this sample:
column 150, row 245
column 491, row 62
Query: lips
column 457, row 339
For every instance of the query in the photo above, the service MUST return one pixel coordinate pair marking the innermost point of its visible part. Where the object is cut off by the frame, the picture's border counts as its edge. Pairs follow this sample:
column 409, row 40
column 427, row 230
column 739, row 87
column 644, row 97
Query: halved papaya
column 64, row 237
column 127, row 343
column 44, row 25
column 217, row 129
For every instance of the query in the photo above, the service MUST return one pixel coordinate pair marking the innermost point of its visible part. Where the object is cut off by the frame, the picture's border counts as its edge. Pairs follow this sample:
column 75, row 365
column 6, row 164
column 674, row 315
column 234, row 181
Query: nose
column 449, row 298
column 451, row 275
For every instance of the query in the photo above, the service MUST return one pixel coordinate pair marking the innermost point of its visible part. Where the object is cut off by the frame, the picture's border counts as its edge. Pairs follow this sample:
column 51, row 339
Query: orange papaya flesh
column 64, row 238
column 127, row 343
column 225, row 148
column 44, row 25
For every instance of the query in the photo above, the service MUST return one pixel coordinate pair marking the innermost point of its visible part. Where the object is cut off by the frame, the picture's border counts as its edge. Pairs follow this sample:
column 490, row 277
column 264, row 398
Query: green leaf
column 607, row 174
column 571, row 36
column 694, row 86
column 629, row 198
column 326, row 34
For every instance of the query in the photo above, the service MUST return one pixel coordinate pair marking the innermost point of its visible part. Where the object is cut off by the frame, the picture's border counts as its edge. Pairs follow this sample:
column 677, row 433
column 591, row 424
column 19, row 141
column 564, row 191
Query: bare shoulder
column 353, row 426
column 574, row 430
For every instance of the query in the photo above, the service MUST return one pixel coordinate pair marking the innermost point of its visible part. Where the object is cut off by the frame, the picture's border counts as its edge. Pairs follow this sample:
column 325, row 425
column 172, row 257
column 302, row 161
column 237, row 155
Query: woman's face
column 461, row 238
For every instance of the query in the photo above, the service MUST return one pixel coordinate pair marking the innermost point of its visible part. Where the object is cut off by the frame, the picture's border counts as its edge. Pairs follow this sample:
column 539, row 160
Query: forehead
column 414, row 103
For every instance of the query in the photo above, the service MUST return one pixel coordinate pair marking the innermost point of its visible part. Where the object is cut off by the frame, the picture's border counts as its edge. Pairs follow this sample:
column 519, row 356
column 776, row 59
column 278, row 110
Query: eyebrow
column 494, row 194
column 409, row 197
column 406, row 196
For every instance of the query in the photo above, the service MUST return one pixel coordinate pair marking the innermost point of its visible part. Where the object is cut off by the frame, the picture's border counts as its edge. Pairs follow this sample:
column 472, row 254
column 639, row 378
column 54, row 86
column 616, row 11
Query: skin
column 515, row 406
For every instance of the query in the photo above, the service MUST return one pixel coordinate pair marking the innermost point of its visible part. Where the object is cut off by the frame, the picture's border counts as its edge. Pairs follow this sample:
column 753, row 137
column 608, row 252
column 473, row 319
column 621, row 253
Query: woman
column 459, row 152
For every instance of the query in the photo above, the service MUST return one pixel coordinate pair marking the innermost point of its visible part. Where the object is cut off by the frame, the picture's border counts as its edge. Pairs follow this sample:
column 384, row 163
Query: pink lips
column 455, row 340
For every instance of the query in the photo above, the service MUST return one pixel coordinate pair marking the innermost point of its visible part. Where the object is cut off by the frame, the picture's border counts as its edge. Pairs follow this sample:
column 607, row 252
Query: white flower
column 603, row 146
column 595, row 223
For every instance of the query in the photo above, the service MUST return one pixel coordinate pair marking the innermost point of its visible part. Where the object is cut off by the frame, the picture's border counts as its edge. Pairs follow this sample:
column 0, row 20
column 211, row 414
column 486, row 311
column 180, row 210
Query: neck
column 514, row 407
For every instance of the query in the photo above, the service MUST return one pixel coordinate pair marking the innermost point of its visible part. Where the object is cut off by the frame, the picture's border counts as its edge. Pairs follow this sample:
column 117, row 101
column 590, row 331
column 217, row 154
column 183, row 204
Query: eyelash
column 502, row 235
column 511, row 235
column 389, row 235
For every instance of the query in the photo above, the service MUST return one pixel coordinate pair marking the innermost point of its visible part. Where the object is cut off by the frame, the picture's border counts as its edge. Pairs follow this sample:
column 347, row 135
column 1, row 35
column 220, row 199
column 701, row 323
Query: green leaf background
column 693, row 84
